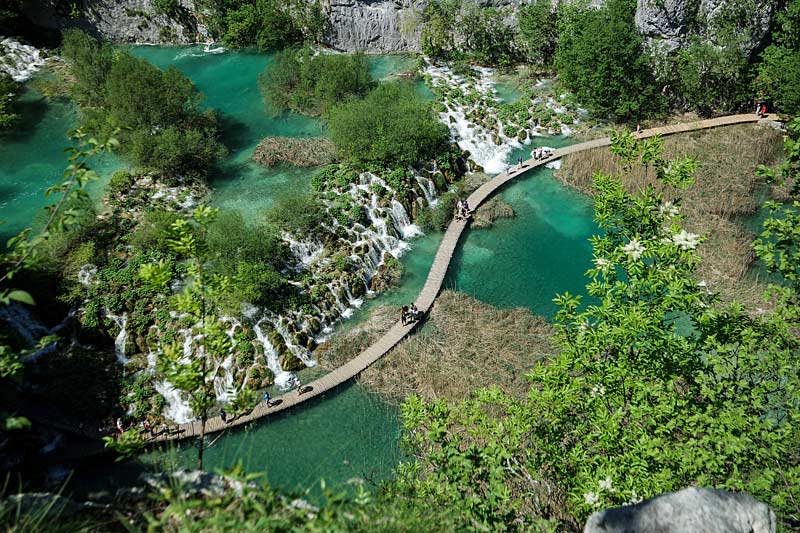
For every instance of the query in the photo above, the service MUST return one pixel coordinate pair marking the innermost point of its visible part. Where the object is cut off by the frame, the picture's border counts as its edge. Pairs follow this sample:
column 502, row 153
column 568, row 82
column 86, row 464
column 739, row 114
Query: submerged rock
column 692, row 509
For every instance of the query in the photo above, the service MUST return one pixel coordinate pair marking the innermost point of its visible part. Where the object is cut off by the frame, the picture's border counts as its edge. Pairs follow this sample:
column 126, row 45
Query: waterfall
column 305, row 252
column 177, row 408
column 402, row 222
column 86, row 274
column 428, row 189
column 20, row 61
column 122, row 337
column 301, row 352
column 284, row 380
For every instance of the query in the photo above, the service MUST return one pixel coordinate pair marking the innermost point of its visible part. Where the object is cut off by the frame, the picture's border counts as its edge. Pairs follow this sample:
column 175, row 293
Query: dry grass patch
column 465, row 345
column 490, row 211
column 726, row 188
column 299, row 152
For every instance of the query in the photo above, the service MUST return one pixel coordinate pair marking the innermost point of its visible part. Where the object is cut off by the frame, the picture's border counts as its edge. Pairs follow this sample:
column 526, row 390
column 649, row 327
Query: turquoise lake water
column 350, row 433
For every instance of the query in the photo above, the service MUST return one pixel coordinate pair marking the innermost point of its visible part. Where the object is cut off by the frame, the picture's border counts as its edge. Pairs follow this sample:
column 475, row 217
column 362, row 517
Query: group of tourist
column 761, row 109
column 410, row 314
column 541, row 153
column 463, row 211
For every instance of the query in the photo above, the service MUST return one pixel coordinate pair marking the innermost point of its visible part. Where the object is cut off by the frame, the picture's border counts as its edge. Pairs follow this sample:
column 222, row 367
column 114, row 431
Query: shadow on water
column 236, row 134
column 31, row 111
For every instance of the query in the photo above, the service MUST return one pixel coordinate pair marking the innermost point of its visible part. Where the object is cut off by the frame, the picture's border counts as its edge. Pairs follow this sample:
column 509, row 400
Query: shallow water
column 346, row 435
column 32, row 159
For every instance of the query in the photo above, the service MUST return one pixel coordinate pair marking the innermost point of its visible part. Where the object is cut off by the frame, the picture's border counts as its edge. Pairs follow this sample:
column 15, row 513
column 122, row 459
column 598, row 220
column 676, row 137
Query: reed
column 726, row 190
column 465, row 345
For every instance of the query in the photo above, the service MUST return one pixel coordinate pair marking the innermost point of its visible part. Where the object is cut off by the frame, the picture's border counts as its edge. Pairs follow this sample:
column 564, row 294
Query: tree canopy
column 391, row 126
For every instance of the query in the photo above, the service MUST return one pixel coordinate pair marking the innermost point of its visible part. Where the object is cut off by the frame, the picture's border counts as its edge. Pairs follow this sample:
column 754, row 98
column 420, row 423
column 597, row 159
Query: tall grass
column 726, row 190
column 465, row 345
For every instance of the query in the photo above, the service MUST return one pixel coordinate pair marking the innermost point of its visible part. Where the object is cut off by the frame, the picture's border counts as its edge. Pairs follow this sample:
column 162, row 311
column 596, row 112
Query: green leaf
column 21, row 296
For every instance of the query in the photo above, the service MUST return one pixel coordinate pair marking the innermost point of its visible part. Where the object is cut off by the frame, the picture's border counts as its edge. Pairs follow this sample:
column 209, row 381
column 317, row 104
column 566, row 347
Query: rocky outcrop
column 668, row 24
column 692, row 509
column 129, row 21
column 388, row 26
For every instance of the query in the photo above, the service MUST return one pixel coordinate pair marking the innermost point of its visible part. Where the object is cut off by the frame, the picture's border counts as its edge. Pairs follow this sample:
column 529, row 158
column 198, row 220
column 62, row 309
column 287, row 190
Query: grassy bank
column 726, row 190
column 465, row 345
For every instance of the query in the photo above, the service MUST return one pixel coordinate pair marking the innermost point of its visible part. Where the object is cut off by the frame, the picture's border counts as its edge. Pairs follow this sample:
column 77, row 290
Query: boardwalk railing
column 431, row 289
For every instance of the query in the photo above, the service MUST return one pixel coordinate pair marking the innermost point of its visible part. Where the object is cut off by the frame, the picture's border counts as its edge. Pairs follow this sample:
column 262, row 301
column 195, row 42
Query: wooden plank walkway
column 431, row 288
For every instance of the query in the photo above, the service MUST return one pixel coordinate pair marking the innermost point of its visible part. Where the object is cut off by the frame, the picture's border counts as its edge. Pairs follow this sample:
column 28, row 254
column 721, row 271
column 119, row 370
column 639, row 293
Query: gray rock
column 668, row 24
column 692, row 509
column 130, row 21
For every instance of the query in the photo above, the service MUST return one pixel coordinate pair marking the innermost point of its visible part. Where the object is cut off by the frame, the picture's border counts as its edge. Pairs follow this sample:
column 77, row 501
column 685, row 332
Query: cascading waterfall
column 428, row 189
column 20, row 61
column 121, row 339
column 479, row 141
column 283, row 380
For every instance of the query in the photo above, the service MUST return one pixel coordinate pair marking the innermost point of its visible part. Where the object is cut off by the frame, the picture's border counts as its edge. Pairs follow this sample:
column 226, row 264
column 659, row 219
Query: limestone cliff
column 127, row 21
column 380, row 26
column 668, row 24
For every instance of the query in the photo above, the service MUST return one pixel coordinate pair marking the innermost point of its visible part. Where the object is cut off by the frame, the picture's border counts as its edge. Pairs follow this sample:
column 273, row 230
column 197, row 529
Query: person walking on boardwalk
column 404, row 315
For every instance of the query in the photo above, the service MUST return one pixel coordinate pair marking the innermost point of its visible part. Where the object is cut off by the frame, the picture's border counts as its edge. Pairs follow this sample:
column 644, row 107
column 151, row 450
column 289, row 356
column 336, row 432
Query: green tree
column 537, row 32
column 600, row 58
column 193, row 373
column 487, row 38
column 711, row 77
column 167, row 7
column 779, row 72
column 438, row 39
column 392, row 126
column 90, row 61
column 303, row 81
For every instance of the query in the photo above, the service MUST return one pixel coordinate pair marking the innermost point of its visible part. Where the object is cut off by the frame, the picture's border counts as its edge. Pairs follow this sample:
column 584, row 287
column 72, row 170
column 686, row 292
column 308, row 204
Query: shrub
column 231, row 236
column 90, row 62
column 120, row 182
column 167, row 7
column 779, row 73
column 391, row 127
column 537, row 32
column 308, row 83
column 9, row 91
column 298, row 214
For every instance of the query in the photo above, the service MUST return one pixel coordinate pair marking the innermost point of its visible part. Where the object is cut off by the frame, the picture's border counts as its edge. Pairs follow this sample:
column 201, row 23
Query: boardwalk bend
column 432, row 285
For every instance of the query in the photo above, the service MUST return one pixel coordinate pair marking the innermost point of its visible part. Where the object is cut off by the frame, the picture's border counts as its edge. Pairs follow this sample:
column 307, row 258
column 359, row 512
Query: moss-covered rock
column 290, row 362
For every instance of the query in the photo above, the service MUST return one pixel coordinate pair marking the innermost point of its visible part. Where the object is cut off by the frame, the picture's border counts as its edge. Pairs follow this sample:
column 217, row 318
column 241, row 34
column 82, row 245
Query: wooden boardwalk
column 432, row 286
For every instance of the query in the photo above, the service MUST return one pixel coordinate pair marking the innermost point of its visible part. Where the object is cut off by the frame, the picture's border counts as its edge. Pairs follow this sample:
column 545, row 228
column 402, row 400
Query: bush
column 167, row 7
column 231, row 236
column 9, row 91
column 154, row 231
column 268, row 24
column 260, row 284
column 711, row 77
column 161, row 123
column 308, row 83
column 90, row 62
column 599, row 57
column 486, row 37
column 120, row 182
column 298, row 214
column 391, row 127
